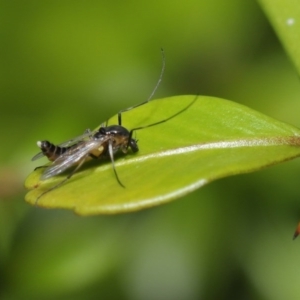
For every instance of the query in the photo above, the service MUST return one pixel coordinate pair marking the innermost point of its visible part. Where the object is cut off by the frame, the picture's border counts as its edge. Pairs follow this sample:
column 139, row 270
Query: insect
column 104, row 142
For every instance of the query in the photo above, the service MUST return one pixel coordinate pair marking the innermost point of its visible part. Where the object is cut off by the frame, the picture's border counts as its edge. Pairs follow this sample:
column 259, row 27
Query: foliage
column 67, row 66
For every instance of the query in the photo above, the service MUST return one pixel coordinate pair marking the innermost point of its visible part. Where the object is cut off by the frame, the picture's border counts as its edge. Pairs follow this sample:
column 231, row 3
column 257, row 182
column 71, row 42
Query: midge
column 104, row 142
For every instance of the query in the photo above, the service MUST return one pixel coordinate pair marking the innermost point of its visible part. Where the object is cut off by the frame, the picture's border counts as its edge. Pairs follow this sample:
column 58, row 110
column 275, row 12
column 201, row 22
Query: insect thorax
column 120, row 137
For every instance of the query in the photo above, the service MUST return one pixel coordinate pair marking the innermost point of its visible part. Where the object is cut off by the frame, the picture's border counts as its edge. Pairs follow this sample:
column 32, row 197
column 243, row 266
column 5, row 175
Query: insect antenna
column 153, row 92
column 159, row 79
column 159, row 122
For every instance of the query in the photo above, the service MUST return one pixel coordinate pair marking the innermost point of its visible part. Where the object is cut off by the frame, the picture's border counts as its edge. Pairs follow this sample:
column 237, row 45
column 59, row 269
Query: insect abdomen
column 50, row 150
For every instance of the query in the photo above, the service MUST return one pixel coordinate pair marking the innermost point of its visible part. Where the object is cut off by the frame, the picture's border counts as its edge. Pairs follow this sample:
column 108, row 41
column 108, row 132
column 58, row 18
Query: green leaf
column 285, row 18
column 213, row 138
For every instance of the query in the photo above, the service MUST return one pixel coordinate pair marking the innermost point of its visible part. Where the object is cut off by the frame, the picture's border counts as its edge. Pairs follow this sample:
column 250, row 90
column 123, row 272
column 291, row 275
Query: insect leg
column 63, row 181
column 40, row 167
column 153, row 92
column 111, row 155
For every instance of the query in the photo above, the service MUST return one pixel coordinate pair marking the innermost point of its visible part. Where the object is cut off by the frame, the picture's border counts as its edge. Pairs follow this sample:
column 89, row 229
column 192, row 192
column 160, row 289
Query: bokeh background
column 69, row 65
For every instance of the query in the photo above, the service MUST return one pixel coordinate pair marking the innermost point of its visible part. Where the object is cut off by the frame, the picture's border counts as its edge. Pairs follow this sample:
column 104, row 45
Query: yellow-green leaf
column 213, row 138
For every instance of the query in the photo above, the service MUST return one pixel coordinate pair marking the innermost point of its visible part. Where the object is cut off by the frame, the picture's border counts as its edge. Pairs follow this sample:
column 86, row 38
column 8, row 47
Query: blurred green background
column 69, row 65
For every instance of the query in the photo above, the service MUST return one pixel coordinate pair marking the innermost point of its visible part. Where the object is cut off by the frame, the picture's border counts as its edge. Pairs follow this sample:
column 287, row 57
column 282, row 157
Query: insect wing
column 87, row 133
column 37, row 156
column 71, row 157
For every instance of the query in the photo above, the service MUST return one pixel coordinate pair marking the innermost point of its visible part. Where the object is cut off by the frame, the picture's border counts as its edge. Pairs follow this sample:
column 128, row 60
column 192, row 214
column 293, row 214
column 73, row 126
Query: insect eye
column 133, row 145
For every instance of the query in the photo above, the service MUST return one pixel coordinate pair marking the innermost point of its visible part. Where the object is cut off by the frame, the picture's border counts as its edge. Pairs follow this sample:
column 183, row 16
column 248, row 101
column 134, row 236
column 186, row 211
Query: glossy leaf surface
column 213, row 138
